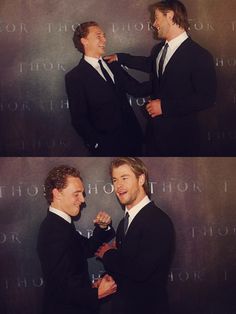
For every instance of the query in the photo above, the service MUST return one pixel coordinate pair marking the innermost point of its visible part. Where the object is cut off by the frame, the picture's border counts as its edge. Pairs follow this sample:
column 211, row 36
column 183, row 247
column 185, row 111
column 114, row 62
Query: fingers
column 153, row 108
column 107, row 287
column 149, row 108
column 110, row 281
column 96, row 283
column 114, row 287
column 102, row 219
column 113, row 245
column 98, row 253
column 111, row 58
column 108, row 277
column 102, row 250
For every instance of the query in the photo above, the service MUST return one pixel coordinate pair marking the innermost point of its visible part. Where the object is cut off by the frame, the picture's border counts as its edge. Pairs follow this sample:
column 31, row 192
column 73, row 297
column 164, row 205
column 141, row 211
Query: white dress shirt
column 60, row 213
column 136, row 209
column 94, row 63
column 173, row 46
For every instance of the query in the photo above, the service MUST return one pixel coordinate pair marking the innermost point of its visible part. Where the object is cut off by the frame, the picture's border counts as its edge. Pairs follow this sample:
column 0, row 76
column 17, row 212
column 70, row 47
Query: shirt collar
column 93, row 61
column 60, row 213
column 177, row 41
column 134, row 210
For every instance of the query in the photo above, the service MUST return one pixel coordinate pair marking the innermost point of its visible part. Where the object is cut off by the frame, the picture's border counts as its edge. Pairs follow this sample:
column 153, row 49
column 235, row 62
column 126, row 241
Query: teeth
column 122, row 193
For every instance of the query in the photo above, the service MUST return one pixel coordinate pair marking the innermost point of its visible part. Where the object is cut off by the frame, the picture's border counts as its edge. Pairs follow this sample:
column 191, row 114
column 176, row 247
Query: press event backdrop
column 37, row 51
column 197, row 193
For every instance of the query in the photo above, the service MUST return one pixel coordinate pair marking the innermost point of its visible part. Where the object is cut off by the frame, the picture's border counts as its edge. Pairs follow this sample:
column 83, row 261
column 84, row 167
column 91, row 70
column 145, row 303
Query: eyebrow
column 81, row 190
column 123, row 175
column 100, row 33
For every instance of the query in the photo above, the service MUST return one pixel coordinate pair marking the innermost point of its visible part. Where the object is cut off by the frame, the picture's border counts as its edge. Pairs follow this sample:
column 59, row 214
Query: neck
column 138, row 200
column 55, row 204
column 175, row 32
column 92, row 55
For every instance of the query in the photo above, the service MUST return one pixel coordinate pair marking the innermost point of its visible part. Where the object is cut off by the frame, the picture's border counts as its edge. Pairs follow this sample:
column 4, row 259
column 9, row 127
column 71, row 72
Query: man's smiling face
column 95, row 42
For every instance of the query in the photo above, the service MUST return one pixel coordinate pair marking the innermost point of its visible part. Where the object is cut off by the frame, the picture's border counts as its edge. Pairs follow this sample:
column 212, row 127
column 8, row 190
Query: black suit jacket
column 100, row 112
column 187, row 87
column 141, row 263
column 63, row 254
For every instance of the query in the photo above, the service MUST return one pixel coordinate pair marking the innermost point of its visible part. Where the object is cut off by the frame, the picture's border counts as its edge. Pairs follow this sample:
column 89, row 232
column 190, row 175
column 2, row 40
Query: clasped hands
column 102, row 219
column 104, row 248
column 105, row 286
column 154, row 106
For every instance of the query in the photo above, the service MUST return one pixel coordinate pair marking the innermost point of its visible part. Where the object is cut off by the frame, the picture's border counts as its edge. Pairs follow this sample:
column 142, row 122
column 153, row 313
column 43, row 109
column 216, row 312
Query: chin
column 123, row 202
column 76, row 213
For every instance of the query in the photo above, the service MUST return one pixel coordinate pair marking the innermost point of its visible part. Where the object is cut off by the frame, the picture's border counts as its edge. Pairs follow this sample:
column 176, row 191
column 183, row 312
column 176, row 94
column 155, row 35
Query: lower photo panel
column 197, row 194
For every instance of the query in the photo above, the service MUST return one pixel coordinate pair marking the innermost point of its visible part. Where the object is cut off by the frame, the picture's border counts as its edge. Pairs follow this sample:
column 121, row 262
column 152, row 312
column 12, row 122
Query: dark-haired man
column 63, row 252
column 145, row 244
column 183, row 85
column 100, row 111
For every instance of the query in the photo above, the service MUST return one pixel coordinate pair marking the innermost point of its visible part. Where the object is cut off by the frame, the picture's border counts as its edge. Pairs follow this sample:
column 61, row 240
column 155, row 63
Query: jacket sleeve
column 202, row 92
column 58, row 269
column 153, row 250
column 136, row 62
column 129, row 84
column 97, row 239
column 79, row 109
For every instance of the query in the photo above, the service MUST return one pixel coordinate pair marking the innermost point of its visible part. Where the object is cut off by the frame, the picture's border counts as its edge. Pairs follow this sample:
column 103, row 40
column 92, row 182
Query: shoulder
column 77, row 71
column 54, row 227
column 155, row 214
column 197, row 48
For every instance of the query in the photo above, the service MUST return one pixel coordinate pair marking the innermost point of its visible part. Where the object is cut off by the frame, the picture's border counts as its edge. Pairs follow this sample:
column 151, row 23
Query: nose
column 118, row 185
column 82, row 198
column 153, row 27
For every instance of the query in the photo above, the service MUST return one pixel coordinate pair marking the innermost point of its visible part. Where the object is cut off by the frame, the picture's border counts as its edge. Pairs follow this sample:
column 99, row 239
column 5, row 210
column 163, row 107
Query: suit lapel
column 174, row 59
column 156, row 52
column 110, row 67
column 120, row 234
column 91, row 72
column 135, row 222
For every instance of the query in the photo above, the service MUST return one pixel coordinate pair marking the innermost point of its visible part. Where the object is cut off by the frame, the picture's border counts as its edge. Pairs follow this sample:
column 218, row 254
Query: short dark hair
column 180, row 12
column 82, row 31
column 136, row 165
column 57, row 178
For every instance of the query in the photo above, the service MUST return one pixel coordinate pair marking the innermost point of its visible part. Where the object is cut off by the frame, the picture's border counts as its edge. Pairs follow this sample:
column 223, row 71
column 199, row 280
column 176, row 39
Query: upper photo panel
column 117, row 78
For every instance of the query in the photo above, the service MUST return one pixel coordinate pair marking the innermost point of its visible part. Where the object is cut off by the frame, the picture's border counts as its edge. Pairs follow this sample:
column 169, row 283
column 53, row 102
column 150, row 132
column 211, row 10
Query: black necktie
column 126, row 222
column 105, row 73
column 162, row 59
column 73, row 226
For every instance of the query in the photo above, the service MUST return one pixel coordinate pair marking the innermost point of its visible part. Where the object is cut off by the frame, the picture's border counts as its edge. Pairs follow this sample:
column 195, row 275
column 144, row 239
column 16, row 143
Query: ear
column 170, row 15
column 141, row 179
column 83, row 41
column 56, row 194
